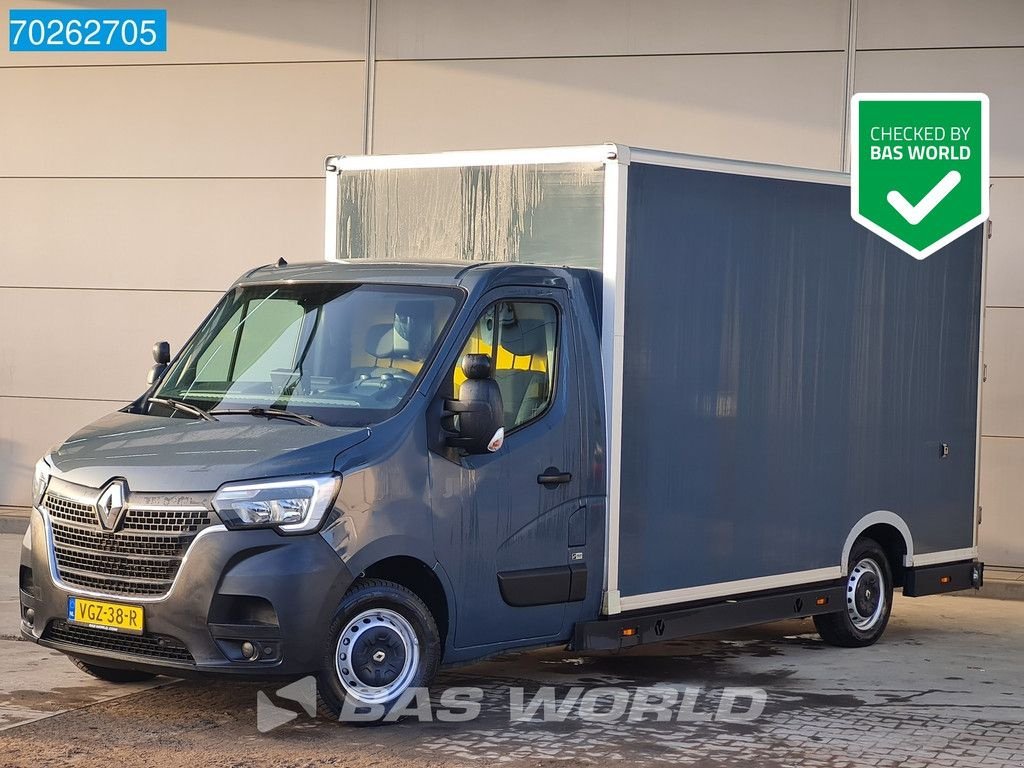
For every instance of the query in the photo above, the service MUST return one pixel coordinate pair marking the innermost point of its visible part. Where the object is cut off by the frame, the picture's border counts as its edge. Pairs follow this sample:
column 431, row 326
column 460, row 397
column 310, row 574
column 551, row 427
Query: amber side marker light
column 629, row 631
column 944, row 580
column 821, row 601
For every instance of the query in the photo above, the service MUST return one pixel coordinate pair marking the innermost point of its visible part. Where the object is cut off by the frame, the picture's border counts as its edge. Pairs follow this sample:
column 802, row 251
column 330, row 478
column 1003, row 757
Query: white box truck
column 596, row 396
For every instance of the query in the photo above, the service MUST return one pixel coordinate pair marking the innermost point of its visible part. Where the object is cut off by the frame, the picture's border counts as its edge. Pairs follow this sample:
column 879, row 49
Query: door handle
column 552, row 477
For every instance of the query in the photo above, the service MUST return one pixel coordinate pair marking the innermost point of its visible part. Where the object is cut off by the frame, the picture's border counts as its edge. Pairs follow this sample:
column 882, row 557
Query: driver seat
column 380, row 345
column 402, row 344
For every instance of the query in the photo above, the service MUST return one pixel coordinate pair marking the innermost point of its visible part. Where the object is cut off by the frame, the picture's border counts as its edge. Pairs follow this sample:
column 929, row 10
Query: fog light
column 30, row 615
column 250, row 651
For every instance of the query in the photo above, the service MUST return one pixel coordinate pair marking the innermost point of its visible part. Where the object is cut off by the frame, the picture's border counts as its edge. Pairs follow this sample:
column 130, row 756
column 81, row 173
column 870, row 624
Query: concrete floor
column 944, row 687
column 10, row 558
column 36, row 683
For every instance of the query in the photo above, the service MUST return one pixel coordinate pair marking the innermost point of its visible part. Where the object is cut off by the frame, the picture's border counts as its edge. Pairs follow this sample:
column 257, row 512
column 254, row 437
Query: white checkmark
column 915, row 213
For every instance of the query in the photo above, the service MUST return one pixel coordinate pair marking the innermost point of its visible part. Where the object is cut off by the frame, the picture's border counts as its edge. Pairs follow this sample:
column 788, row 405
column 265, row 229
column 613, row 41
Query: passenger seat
column 524, row 392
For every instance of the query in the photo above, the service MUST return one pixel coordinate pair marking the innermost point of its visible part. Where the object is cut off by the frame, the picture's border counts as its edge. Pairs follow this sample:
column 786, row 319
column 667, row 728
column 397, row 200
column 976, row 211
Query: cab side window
column 521, row 338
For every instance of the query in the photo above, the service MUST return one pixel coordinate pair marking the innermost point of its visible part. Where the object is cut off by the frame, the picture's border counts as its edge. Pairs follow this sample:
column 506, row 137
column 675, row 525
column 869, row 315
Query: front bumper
column 277, row 592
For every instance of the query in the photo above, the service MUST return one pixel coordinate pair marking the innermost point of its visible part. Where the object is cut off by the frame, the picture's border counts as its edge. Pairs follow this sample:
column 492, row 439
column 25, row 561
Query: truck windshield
column 344, row 354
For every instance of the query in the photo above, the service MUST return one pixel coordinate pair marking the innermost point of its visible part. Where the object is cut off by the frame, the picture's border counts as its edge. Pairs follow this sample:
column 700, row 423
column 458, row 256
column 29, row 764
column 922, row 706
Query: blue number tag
column 71, row 609
column 143, row 30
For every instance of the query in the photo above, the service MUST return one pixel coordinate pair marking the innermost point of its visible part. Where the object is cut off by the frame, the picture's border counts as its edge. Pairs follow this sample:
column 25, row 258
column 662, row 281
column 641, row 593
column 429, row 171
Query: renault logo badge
column 110, row 504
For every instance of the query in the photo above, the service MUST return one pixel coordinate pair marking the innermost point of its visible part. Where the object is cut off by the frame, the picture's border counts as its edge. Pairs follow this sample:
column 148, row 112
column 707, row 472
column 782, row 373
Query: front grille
column 166, row 520
column 128, row 567
column 72, row 511
column 161, row 647
column 142, row 558
column 101, row 541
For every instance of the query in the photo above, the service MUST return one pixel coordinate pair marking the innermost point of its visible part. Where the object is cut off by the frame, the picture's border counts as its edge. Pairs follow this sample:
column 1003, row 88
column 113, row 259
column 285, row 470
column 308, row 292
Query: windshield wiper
column 181, row 405
column 270, row 413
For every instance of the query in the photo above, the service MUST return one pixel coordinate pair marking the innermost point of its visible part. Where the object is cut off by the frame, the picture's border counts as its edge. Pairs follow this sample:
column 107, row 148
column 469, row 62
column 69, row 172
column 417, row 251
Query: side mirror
column 162, row 356
column 478, row 414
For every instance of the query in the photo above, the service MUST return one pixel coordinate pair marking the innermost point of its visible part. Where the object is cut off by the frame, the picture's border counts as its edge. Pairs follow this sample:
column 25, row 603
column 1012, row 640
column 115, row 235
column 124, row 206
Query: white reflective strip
column 728, row 588
column 948, row 556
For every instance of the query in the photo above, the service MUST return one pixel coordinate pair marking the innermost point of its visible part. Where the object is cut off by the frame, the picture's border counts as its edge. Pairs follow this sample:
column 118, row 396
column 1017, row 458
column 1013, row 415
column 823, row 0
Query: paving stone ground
column 944, row 688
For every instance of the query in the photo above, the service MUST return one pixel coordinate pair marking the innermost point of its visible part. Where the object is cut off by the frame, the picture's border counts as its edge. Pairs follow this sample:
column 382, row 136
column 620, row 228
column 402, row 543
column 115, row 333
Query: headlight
column 291, row 506
column 40, row 481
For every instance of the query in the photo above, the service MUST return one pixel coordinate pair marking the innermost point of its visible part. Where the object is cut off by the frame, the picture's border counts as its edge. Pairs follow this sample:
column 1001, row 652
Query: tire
column 868, row 600
column 392, row 638
column 110, row 674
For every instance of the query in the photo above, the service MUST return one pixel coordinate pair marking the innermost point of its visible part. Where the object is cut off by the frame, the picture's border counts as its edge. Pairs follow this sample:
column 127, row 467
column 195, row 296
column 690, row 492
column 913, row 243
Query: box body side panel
column 785, row 374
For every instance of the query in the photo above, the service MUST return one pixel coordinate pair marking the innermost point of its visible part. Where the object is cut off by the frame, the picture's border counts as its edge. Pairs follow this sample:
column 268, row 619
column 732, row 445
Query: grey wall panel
column 785, row 374
column 1000, row 73
column 1001, row 536
column 1006, row 249
column 199, row 31
column 408, row 29
column 997, row 72
column 777, row 107
column 248, row 120
column 30, row 427
column 939, row 23
column 178, row 234
column 1003, row 404
column 90, row 344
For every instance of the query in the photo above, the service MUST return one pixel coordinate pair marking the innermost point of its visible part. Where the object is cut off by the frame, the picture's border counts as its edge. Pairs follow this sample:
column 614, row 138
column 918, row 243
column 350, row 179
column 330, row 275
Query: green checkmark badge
column 919, row 166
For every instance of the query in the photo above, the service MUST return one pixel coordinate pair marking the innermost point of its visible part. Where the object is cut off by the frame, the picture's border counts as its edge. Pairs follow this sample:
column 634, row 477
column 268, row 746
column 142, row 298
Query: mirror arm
column 452, row 438
column 455, row 407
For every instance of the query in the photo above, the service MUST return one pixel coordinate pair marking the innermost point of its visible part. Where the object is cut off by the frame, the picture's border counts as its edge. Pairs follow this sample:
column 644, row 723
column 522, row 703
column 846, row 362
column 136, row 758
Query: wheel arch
column 891, row 532
column 422, row 580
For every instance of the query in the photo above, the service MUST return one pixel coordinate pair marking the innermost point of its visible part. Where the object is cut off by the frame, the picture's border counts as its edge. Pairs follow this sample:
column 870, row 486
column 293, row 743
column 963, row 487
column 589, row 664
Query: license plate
column 114, row 617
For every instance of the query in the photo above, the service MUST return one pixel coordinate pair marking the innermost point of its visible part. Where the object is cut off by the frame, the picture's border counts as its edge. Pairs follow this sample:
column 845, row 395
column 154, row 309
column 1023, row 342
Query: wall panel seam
column 555, row 57
column 369, row 84
column 169, row 178
column 143, row 64
column 848, row 88
column 65, row 399
column 944, row 48
column 111, row 288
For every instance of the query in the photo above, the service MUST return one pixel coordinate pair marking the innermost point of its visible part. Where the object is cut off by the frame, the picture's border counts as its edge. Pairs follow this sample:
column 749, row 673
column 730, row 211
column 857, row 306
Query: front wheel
column 382, row 642
column 868, row 600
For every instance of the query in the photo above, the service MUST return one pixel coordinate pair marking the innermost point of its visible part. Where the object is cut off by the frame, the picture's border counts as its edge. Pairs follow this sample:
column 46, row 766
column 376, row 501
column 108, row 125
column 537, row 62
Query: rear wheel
column 868, row 600
column 383, row 641
column 110, row 674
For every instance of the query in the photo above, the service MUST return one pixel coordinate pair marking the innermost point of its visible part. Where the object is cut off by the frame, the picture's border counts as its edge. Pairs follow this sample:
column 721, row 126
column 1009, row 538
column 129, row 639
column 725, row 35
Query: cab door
column 501, row 520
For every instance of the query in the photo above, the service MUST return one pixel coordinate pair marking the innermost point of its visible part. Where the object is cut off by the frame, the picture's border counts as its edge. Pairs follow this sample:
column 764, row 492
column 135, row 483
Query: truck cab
column 435, row 431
